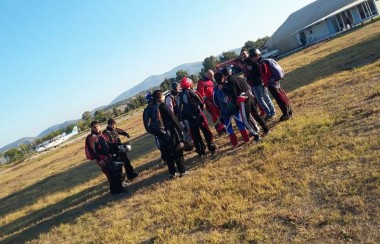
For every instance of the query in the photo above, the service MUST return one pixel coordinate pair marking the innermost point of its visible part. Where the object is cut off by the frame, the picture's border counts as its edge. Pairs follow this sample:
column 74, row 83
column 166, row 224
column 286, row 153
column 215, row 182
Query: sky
column 59, row 59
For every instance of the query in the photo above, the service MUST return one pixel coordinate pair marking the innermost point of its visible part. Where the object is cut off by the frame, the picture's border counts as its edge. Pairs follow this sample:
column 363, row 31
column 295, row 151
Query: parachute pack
column 90, row 155
column 188, row 105
column 152, row 119
column 276, row 70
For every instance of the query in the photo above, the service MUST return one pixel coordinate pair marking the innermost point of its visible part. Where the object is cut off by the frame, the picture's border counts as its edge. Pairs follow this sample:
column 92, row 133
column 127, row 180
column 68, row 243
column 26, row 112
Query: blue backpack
column 276, row 70
column 152, row 120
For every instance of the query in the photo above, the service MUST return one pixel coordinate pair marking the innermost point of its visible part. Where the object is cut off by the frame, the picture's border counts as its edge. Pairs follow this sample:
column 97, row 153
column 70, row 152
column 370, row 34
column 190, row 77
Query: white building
column 321, row 20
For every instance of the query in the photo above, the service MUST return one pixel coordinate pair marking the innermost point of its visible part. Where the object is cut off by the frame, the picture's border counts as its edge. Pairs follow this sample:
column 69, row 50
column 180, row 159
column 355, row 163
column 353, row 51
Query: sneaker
column 212, row 148
column 132, row 176
column 183, row 174
column 268, row 117
column 284, row 117
column 122, row 192
column 256, row 138
column 173, row 176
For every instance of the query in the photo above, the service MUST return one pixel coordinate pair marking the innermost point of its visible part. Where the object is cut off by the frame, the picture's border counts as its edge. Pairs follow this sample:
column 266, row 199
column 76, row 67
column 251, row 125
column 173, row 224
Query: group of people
column 110, row 154
column 177, row 120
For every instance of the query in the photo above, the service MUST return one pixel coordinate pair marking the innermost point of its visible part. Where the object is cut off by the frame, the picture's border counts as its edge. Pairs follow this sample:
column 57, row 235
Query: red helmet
column 186, row 83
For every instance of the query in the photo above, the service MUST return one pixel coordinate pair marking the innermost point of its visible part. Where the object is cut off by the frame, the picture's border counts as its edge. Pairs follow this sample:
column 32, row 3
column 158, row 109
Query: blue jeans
column 262, row 97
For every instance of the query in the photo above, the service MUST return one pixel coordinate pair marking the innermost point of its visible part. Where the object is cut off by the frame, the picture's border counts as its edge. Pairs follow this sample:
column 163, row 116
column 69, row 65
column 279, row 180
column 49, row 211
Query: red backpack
column 90, row 154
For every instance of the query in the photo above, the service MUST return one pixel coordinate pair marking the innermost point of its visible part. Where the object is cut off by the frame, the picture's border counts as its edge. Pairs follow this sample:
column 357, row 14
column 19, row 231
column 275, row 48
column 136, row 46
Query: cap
column 111, row 122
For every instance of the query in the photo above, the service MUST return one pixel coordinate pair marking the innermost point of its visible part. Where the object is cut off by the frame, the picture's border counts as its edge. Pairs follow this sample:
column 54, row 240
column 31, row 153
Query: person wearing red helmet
column 190, row 106
column 205, row 88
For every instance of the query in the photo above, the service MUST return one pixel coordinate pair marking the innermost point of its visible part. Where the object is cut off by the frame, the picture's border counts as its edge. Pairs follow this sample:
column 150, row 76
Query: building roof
column 283, row 38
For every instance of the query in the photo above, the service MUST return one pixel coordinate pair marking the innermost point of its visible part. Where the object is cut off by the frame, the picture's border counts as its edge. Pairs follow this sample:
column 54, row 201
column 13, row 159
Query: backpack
column 90, row 154
column 187, row 105
column 152, row 119
column 276, row 70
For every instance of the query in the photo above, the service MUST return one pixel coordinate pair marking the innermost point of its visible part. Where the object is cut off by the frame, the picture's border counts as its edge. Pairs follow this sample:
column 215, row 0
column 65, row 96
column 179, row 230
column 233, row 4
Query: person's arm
column 91, row 141
column 167, row 113
column 265, row 73
column 198, row 98
column 122, row 132
column 201, row 89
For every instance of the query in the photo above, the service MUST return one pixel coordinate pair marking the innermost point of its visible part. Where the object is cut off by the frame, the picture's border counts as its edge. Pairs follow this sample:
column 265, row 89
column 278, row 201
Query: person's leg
column 114, row 177
column 258, row 92
column 207, row 134
column 129, row 171
column 256, row 116
column 279, row 99
column 197, row 139
column 268, row 101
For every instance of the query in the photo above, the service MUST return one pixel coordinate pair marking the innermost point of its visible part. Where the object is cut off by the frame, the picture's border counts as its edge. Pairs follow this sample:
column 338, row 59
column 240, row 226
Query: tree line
column 210, row 63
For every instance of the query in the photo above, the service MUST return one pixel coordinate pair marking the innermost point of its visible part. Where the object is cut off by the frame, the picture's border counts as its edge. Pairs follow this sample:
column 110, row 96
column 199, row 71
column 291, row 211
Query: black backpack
column 187, row 104
column 152, row 120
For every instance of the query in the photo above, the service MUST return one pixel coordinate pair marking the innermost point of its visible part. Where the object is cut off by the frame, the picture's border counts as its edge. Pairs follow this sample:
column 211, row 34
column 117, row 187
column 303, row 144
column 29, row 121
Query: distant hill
column 156, row 80
column 25, row 140
column 57, row 127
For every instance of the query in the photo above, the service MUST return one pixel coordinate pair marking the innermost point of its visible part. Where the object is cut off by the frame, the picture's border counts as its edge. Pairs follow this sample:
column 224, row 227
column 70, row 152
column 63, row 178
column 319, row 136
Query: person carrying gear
column 96, row 148
column 160, row 121
column 171, row 101
column 205, row 88
column 259, row 91
column 228, row 111
column 272, row 82
column 118, row 149
column 190, row 104
column 240, row 94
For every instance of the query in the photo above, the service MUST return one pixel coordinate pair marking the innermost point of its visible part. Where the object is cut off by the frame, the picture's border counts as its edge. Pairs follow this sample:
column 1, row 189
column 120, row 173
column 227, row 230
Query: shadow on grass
column 346, row 59
column 34, row 223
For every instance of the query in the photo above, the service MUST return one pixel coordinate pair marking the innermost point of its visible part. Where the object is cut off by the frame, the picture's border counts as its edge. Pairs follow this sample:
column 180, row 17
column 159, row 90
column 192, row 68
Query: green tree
column 249, row 44
column 86, row 116
column 227, row 56
column 209, row 63
column 260, row 43
column 13, row 154
column 82, row 125
column 24, row 148
column 165, row 85
column 194, row 78
column 116, row 111
column 69, row 128
column 140, row 100
column 180, row 74
column 100, row 116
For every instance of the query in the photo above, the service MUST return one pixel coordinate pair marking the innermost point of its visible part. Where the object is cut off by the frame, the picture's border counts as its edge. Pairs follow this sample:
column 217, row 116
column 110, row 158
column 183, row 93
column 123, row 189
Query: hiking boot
column 284, row 117
column 173, row 176
column 183, row 174
column 212, row 148
column 268, row 118
column 122, row 192
column 256, row 138
column 132, row 176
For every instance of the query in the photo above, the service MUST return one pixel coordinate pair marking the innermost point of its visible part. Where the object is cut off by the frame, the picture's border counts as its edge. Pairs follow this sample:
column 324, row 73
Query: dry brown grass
column 315, row 178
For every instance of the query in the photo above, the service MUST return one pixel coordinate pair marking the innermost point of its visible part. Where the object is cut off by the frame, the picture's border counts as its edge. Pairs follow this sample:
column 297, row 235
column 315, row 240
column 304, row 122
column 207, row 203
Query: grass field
column 315, row 178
